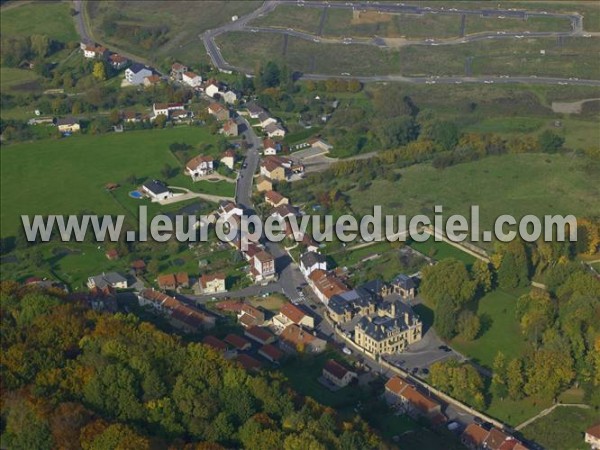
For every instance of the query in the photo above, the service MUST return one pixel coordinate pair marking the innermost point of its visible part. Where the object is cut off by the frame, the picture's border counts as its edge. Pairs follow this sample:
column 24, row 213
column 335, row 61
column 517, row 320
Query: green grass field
column 66, row 176
column 11, row 78
column 563, row 428
column 510, row 184
column 478, row 24
column 442, row 250
column 291, row 16
column 52, row 19
column 500, row 330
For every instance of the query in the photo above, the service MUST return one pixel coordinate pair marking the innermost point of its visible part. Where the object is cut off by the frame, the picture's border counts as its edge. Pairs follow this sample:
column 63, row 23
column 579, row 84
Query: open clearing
column 67, row 176
column 52, row 19
column 510, row 184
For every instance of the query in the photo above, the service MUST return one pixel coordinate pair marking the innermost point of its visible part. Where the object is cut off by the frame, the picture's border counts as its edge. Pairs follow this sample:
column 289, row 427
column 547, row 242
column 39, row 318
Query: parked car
column 347, row 351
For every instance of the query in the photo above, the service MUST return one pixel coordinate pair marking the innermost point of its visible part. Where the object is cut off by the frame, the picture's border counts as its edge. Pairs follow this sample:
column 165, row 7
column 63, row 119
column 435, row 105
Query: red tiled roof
column 401, row 388
column 215, row 343
column 260, row 334
column 496, row 439
column 329, row 285
column 196, row 161
column 237, row 341
column 474, row 435
column 138, row 264
column 293, row 334
column 292, row 312
column 594, row 431
column 335, row 369
column 274, row 197
column 248, row 362
column 167, row 280
column 216, row 107
column 206, row 278
column 271, row 352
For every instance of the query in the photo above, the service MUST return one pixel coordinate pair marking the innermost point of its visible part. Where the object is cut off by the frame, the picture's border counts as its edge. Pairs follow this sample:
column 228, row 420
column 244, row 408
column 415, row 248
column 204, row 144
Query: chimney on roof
column 407, row 318
column 393, row 309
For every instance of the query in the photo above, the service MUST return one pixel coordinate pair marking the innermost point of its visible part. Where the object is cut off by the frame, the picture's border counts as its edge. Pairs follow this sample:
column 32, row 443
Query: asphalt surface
column 241, row 24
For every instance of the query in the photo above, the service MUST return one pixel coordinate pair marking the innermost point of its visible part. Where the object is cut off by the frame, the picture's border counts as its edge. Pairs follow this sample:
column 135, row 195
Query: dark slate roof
column 404, row 281
column 309, row 259
column 253, row 108
column 156, row 187
column 66, row 121
column 137, row 67
column 378, row 327
column 374, row 287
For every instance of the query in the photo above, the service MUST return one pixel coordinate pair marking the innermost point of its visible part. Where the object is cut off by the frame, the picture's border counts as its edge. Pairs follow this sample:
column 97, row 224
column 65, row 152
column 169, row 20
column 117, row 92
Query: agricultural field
column 12, row 79
column 52, row 19
column 510, row 56
column 478, row 24
column 291, row 16
column 510, row 184
column 69, row 175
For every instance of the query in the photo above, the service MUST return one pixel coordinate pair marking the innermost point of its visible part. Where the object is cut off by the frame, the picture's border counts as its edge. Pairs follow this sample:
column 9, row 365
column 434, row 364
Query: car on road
column 478, row 420
column 414, row 370
column 245, row 165
column 425, row 371
column 445, row 348
column 347, row 351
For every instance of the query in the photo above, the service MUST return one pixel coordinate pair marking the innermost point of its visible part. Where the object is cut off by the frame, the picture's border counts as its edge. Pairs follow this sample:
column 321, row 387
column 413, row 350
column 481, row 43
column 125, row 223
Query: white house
column 229, row 96
column 269, row 147
column 94, row 51
column 228, row 209
column 157, row 190
column 191, row 79
column 199, row 166
column 112, row 279
column 274, row 130
column 136, row 73
column 166, row 108
column 263, row 267
column 211, row 90
column 312, row 261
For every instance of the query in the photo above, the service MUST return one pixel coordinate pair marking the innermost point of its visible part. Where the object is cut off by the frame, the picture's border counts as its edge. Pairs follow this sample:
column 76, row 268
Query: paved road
column 241, row 25
column 243, row 192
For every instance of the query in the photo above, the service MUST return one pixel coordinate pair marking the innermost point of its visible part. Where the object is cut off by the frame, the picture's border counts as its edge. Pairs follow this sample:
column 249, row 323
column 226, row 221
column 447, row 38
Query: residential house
column 311, row 261
column 325, row 285
column 248, row 362
column 254, row 110
column 229, row 97
column 157, row 190
column 275, row 199
column 136, row 73
column 215, row 343
column 177, row 71
column 166, row 108
column 249, row 316
column 274, row 130
column 173, row 281
column 230, row 128
column 290, row 313
column 181, row 115
column 228, row 209
column 338, row 374
column 138, row 266
column 112, row 254
column 307, row 241
column 592, row 437
column 263, row 267
column 131, row 116
column 320, row 144
column 404, row 286
column 95, row 52
column 263, row 184
column 237, row 342
column 271, row 353
column 117, row 61
column 261, row 335
column 68, row 125
column 228, row 159
column 110, row 279
column 410, row 400
column 211, row 89
column 219, row 111
column 192, row 79
column 151, row 80
column 474, row 436
column 213, row 283
column 199, row 166
column 179, row 314
column 270, row 147
column 391, row 330
column 295, row 339
column 264, row 119
column 284, row 211
column 272, row 170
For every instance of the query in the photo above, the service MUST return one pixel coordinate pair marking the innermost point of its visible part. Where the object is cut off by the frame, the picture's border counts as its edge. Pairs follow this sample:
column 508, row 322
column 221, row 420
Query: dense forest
column 75, row 378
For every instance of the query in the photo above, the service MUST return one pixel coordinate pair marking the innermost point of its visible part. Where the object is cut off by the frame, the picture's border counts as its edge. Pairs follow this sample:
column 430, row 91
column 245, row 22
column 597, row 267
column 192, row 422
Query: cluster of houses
column 268, row 124
column 280, row 168
column 94, row 51
column 477, row 437
column 383, row 321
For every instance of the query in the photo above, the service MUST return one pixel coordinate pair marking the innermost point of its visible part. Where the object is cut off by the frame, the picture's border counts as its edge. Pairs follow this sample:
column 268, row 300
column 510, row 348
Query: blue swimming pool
column 136, row 194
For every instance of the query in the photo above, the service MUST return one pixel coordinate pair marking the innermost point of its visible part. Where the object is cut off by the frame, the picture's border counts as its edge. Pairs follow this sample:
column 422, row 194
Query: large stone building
column 390, row 330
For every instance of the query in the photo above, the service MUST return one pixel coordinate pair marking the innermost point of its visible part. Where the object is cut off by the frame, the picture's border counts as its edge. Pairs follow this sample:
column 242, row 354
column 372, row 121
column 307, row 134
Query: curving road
column 241, row 24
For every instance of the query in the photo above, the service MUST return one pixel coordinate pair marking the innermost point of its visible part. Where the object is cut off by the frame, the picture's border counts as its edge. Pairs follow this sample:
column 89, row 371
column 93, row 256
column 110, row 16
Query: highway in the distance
column 241, row 24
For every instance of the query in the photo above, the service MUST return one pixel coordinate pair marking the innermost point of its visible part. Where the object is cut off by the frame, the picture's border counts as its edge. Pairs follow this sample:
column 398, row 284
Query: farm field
column 562, row 428
column 510, row 184
column 52, row 19
column 67, row 176
column 291, row 16
column 442, row 250
column 11, row 78
column 512, row 57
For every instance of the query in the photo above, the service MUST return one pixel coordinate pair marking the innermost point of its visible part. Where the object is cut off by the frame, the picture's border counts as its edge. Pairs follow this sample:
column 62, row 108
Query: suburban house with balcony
column 157, row 190
column 191, row 79
column 263, row 266
column 220, row 112
column 311, row 261
column 199, row 166
column 403, row 395
column 338, row 374
column 212, row 283
column 136, row 73
column 290, row 313
column 109, row 279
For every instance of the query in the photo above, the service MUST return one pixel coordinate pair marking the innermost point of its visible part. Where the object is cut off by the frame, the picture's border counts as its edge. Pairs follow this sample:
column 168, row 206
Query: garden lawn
column 500, row 329
column 11, row 78
column 442, row 250
column 67, row 176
